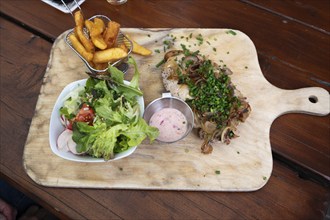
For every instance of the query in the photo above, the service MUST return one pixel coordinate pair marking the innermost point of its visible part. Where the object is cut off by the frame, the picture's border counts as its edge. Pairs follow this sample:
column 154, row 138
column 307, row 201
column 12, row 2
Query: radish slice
column 62, row 118
column 72, row 146
column 62, row 140
column 65, row 142
column 65, row 122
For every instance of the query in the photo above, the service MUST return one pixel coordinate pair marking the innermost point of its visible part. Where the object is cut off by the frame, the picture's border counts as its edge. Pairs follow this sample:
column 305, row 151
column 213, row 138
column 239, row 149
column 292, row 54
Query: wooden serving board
column 244, row 165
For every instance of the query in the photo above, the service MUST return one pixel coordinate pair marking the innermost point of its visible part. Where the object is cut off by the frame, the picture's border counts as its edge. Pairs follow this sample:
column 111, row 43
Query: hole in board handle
column 313, row 99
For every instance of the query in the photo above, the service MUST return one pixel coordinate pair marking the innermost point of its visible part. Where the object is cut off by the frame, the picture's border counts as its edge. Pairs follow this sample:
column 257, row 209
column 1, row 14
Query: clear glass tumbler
column 117, row 2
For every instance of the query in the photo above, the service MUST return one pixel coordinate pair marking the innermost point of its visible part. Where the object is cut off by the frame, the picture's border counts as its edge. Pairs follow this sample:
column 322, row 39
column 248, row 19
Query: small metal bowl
column 121, row 38
column 167, row 101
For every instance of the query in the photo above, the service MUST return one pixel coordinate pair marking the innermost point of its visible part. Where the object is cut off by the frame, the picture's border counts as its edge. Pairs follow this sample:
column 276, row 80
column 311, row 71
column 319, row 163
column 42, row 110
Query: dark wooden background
column 293, row 44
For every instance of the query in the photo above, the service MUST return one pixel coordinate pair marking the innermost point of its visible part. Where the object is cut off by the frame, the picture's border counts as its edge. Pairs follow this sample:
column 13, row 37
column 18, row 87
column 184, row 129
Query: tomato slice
column 85, row 114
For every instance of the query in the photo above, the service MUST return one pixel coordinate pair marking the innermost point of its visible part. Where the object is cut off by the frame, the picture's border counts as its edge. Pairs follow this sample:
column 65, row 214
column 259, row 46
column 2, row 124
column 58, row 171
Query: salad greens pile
column 117, row 124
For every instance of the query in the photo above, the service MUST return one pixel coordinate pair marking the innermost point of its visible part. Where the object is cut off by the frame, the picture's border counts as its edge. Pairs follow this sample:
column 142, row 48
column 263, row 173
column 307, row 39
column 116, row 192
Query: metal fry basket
column 121, row 38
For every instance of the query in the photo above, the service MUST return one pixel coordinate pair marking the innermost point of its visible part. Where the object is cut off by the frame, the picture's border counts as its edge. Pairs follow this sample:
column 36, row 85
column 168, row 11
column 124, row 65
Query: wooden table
column 293, row 44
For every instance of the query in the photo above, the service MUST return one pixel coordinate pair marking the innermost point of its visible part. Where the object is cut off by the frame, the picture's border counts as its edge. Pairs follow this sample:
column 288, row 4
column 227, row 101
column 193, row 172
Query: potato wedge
column 123, row 46
column 109, row 55
column 80, row 48
column 99, row 42
column 111, row 33
column 138, row 49
column 89, row 25
column 101, row 66
column 84, row 40
column 78, row 19
column 98, row 27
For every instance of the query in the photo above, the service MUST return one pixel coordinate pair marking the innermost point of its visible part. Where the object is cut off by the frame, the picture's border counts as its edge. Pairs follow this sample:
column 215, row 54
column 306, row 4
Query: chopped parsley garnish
column 200, row 39
column 160, row 63
column 157, row 51
column 187, row 52
column 231, row 32
column 212, row 92
column 217, row 172
column 166, row 42
column 231, row 133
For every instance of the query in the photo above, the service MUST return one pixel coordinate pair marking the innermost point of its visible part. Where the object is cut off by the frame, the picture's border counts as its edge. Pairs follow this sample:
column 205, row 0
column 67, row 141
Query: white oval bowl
column 56, row 128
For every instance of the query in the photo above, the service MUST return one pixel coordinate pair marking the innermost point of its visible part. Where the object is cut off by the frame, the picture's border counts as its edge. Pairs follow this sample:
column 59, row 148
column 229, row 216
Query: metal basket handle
column 69, row 9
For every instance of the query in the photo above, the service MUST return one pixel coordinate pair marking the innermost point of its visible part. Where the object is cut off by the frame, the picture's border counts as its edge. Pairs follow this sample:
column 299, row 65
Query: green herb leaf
column 231, row 32
column 160, row 63
column 200, row 39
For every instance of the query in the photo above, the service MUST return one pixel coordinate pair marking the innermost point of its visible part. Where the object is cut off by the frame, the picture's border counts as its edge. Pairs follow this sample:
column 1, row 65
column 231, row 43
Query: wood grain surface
column 245, row 165
column 292, row 41
column 293, row 53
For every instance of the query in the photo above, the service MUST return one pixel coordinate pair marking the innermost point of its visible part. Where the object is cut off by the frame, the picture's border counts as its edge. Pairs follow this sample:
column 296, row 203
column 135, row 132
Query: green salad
column 105, row 117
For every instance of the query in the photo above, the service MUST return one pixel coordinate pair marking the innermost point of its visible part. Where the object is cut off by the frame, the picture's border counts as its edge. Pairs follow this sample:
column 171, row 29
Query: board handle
column 313, row 100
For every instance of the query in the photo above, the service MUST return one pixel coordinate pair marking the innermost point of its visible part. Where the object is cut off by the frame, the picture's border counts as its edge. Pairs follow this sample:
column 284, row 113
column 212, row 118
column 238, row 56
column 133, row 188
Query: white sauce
column 172, row 124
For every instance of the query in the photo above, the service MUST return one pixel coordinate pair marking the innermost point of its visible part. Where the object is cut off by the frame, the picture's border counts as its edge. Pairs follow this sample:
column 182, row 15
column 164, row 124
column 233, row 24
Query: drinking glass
column 117, row 2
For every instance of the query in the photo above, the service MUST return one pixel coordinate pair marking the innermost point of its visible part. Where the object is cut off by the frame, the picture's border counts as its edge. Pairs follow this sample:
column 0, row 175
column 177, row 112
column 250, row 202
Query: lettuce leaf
column 85, row 135
column 136, row 77
column 72, row 102
column 139, row 131
column 130, row 91
column 105, row 143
